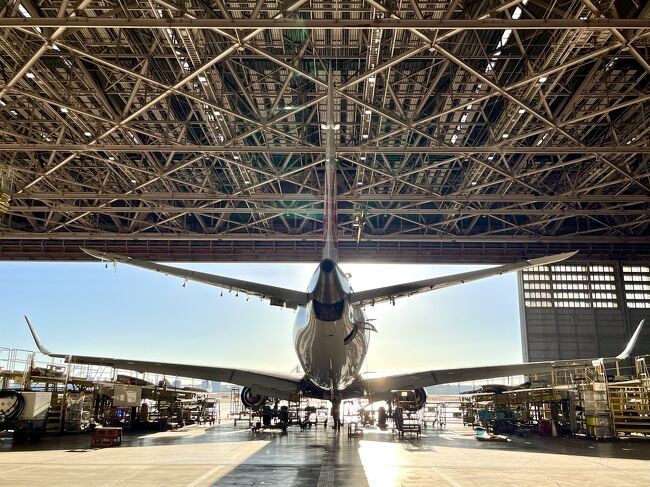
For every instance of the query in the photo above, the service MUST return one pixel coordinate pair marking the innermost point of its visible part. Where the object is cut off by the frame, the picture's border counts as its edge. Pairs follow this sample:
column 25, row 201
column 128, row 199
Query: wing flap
column 277, row 296
column 281, row 386
column 390, row 293
column 428, row 378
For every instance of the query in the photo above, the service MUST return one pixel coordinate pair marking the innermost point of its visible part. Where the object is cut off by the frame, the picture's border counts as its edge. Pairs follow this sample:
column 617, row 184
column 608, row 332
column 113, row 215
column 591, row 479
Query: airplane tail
column 330, row 244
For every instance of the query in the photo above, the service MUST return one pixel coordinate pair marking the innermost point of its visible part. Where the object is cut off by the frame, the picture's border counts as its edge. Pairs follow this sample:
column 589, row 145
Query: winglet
column 551, row 259
column 40, row 345
column 105, row 255
column 630, row 345
column 93, row 253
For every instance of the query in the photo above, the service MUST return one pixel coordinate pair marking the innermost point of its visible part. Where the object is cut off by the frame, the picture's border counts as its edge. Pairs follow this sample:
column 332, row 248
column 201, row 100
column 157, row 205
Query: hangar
column 465, row 132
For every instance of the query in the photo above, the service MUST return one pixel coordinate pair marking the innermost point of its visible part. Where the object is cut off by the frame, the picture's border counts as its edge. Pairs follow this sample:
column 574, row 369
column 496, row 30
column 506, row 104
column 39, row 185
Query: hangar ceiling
column 467, row 130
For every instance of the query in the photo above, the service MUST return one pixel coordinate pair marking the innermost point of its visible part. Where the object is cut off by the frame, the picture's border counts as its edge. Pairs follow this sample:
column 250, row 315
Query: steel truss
column 468, row 131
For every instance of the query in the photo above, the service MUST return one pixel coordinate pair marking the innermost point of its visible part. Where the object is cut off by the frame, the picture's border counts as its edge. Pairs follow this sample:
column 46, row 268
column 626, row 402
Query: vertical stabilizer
column 330, row 245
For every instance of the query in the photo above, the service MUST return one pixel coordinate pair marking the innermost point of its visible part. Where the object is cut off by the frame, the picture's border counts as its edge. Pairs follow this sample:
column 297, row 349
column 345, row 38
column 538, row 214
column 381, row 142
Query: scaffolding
column 239, row 413
column 83, row 396
column 592, row 401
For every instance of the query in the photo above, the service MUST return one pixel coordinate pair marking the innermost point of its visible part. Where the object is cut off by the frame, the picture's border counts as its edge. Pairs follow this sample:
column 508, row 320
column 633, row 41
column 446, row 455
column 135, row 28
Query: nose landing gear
column 336, row 413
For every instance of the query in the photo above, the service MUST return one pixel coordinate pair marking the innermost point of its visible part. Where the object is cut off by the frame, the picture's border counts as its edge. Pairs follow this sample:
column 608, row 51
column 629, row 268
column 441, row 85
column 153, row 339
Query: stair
column 55, row 415
column 629, row 404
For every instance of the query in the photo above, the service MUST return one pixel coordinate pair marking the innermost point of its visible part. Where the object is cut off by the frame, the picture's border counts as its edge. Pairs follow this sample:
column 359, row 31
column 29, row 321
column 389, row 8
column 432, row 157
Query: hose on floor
column 12, row 404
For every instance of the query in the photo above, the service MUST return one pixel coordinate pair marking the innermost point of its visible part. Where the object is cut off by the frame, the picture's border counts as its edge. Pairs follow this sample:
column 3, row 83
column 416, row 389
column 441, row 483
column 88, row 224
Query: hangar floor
column 223, row 455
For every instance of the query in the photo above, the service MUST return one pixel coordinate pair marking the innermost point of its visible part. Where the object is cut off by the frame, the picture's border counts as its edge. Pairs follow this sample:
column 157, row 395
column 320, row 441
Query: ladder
column 55, row 415
column 641, row 368
column 629, row 404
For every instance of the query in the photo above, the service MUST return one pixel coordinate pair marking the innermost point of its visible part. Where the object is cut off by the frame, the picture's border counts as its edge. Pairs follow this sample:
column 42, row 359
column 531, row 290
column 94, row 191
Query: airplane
column 331, row 330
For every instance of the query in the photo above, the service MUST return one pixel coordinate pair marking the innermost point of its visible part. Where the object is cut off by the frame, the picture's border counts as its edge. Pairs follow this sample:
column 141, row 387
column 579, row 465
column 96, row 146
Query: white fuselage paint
column 328, row 361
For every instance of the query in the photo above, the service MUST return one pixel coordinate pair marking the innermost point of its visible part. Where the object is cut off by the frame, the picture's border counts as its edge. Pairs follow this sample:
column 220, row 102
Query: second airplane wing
column 416, row 380
column 277, row 385
column 390, row 293
column 278, row 296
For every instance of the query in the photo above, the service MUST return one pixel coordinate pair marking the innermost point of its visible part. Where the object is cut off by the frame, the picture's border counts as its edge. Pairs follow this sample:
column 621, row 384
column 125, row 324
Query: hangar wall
column 583, row 309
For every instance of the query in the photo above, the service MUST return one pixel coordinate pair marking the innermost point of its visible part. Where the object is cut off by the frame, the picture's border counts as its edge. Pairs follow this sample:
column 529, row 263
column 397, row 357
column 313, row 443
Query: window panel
column 572, row 286
column 637, row 293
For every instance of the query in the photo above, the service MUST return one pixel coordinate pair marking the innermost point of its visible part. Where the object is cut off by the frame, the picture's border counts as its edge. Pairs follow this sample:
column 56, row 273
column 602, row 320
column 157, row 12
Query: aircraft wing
column 277, row 296
column 415, row 380
column 277, row 385
column 390, row 293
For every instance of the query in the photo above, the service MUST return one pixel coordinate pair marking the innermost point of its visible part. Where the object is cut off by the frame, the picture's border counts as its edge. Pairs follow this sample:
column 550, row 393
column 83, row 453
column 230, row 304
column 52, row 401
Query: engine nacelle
column 251, row 400
column 420, row 398
column 409, row 399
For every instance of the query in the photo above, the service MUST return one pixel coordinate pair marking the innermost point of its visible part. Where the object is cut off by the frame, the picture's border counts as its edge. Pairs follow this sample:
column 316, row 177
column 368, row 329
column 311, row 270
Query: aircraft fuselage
column 330, row 336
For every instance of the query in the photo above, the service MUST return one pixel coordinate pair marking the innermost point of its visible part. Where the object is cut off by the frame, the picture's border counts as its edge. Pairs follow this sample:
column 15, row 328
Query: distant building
column 450, row 389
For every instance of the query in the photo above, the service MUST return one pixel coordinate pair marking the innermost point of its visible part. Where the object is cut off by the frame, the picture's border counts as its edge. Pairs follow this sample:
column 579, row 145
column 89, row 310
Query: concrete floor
column 224, row 455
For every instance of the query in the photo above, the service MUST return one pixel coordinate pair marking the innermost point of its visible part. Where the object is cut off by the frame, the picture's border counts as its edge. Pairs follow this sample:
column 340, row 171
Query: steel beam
column 318, row 211
column 359, row 197
column 291, row 23
column 362, row 149
column 276, row 237
column 260, row 251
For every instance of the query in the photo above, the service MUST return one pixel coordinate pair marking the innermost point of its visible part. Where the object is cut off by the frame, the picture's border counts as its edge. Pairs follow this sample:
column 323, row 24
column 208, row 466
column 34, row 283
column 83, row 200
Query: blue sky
column 86, row 309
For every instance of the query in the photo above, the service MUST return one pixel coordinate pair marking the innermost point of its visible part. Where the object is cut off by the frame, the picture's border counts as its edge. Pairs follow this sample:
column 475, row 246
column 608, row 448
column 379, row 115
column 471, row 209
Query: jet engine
column 251, row 400
column 410, row 399
column 420, row 398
